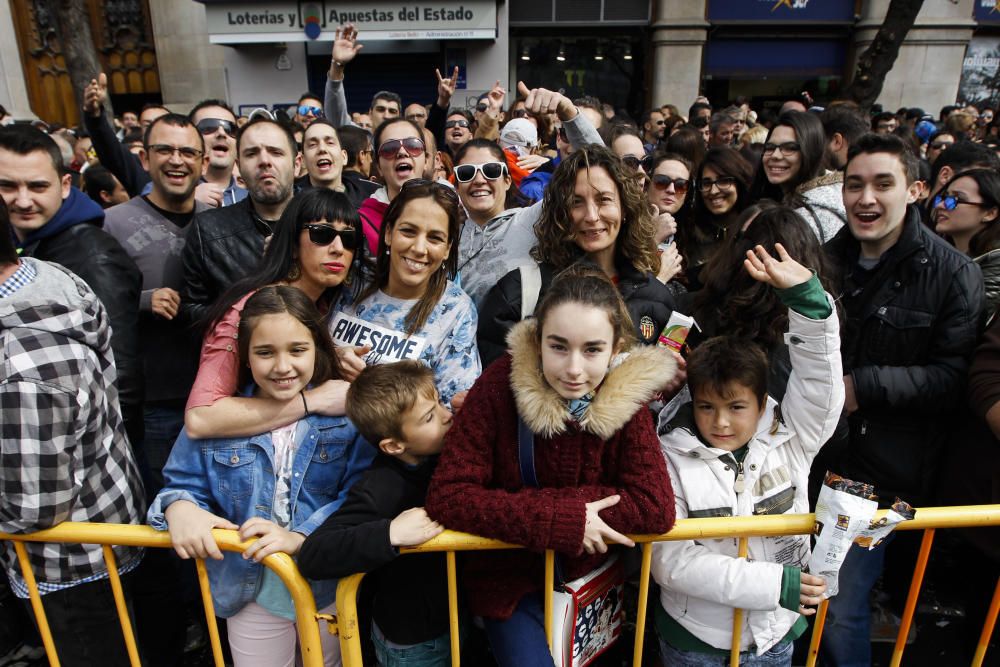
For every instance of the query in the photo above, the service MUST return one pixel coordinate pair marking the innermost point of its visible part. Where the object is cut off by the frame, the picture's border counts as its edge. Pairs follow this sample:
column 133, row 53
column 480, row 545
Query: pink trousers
column 258, row 638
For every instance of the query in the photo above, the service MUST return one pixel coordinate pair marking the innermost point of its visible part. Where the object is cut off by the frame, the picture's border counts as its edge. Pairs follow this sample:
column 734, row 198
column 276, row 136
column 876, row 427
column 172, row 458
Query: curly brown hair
column 635, row 244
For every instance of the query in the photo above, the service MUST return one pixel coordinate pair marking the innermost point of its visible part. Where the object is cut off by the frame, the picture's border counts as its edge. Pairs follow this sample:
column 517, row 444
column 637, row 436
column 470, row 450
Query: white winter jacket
column 702, row 581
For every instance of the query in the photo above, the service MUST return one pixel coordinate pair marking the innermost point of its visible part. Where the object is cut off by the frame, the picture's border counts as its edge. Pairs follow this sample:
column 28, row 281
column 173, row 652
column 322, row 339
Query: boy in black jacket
column 395, row 406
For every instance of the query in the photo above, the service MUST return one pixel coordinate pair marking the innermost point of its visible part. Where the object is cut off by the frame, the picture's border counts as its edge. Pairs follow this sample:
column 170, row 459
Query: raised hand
column 780, row 273
column 596, row 533
column 95, row 95
column 345, row 44
column 495, row 99
column 446, row 88
column 541, row 100
column 413, row 527
column 671, row 264
column 666, row 226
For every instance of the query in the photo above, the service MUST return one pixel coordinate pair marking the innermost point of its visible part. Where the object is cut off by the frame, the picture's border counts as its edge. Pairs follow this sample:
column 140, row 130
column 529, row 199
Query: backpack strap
column 531, row 287
column 526, row 453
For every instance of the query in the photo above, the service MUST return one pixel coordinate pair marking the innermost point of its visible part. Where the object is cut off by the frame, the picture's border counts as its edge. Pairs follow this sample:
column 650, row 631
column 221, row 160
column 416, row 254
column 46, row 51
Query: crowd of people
column 341, row 333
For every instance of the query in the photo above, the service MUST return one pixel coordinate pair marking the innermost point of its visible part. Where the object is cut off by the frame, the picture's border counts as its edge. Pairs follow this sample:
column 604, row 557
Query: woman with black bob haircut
column 793, row 172
column 722, row 193
column 734, row 303
column 594, row 211
column 318, row 248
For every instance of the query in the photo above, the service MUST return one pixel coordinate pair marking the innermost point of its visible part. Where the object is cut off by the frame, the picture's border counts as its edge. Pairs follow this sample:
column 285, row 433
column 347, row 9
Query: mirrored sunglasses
column 306, row 109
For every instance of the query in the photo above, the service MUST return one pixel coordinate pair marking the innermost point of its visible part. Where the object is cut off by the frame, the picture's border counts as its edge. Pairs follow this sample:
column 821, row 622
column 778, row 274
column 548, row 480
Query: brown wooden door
column 123, row 37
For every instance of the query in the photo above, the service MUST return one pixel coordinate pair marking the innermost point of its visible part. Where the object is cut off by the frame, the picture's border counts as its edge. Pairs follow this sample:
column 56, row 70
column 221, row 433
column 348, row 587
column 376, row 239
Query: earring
column 387, row 251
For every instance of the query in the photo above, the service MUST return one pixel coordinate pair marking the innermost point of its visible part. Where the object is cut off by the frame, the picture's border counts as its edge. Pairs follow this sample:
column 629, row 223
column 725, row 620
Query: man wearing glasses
column 309, row 108
column 652, row 129
column 216, row 123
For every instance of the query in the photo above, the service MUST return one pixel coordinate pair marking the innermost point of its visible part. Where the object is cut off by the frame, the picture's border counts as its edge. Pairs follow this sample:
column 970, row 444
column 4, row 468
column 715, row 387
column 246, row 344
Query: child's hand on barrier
column 413, row 527
column 272, row 539
column 811, row 593
column 779, row 274
column 191, row 530
column 596, row 533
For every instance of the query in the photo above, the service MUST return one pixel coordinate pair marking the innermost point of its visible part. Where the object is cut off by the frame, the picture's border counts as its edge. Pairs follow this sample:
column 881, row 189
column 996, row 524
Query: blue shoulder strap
column 526, row 453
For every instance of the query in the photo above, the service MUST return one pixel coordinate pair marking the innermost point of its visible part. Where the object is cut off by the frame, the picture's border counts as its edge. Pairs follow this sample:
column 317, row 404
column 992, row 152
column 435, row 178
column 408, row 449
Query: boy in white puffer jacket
column 732, row 451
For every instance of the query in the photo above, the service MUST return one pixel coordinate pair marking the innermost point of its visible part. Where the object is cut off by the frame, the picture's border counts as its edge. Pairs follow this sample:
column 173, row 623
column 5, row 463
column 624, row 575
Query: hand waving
column 446, row 87
column 345, row 44
column 780, row 273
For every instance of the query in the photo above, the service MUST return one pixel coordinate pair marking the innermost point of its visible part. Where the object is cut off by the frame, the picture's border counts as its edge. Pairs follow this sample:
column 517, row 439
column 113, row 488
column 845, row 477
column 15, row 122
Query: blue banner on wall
column 782, row 11
column 739, row 58
column 986, row 11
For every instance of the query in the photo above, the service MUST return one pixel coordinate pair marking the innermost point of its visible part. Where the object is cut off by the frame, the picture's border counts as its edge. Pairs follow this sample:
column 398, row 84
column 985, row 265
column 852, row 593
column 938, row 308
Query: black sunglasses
column 321, row 234
column 456, row 123
column 209, row 125
column 787, row 148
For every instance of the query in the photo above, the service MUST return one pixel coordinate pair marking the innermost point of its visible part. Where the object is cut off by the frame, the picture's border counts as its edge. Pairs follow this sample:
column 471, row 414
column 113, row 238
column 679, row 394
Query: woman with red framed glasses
column 400, row 155
column 316, row 247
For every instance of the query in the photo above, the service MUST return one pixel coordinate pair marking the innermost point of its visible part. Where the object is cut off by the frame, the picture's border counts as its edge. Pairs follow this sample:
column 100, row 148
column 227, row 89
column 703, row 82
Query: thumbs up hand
column 95, row 94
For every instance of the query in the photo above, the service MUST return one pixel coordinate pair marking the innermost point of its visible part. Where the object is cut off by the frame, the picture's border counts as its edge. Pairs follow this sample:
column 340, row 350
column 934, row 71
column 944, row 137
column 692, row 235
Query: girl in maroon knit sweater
column 597, row 458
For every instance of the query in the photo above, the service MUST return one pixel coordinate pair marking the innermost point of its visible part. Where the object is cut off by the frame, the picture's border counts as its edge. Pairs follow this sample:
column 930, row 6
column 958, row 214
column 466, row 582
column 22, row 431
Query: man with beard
column 217, row 124
column 225, row 244
column 309, row 109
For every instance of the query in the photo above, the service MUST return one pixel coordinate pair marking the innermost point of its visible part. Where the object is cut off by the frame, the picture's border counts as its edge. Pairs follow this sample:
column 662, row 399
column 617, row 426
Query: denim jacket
column 234, row 478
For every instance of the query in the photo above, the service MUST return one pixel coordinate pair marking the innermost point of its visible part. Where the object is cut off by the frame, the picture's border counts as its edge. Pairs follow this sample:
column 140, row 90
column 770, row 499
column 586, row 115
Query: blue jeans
column 520, row 640
column 162, row 425
column 432, row 653
column 847, row 633
column 780, row 655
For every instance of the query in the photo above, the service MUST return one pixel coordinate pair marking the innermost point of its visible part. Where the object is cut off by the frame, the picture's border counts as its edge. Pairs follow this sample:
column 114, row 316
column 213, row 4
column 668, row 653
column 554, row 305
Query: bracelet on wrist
column 304, row 404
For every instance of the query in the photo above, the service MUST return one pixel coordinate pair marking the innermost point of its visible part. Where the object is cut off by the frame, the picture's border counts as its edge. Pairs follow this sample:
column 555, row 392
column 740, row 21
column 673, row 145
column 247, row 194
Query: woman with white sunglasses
column 498, row 234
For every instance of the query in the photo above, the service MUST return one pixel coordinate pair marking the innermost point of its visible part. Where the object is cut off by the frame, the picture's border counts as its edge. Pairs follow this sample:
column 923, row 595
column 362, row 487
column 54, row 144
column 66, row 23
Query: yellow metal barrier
column 307, row 618
column 927, row 519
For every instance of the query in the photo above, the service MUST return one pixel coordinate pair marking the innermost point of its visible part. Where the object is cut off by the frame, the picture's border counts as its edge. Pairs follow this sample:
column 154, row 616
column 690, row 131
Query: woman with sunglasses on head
column 593, row 211
column 498, row 236
column 316, row 247
column 721, row 193
column 411, row 309
column 966, row 213
column 793, row 171
column 400, row 155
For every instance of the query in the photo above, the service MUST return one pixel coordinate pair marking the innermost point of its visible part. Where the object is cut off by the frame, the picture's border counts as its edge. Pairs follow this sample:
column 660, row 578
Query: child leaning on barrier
column 277, row 486
column 732, row 451
column 397, row 408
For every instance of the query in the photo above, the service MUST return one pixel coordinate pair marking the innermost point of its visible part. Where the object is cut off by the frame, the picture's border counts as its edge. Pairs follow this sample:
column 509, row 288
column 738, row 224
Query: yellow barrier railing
column 346, row 624
column 306, row 617
column 927, row 519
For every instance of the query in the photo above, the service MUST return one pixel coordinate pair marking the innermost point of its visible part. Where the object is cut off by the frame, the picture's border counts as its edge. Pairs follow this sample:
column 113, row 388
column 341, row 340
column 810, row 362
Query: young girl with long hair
column 599, row 470
column 277, row 486
column 411, row 309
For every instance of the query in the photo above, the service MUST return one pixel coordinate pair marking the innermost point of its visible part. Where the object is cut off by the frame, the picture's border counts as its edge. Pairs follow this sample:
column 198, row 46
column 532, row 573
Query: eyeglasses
column 787, row 148
column 411, row 145
column 306, row 109
column 951, row 202
column 456, row 123
column 490, row 170
column 388, row 111
column 320, row 234
column 209, row 126
column 940, row 145
column 662, row 182
column 519, row 113
column 166, row 150
column 481, row 107
column 724, row 183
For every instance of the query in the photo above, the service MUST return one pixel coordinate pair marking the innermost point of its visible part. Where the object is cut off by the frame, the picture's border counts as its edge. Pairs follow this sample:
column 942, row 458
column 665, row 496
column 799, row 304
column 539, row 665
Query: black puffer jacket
column 649, row 303
column 74, row 239
column 910, row 333
column 223, row 245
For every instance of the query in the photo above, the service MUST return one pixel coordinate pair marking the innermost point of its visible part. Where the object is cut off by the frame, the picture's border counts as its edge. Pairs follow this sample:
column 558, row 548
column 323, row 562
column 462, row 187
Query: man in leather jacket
column 913, row 306
column 225, row 244
column 55, row 222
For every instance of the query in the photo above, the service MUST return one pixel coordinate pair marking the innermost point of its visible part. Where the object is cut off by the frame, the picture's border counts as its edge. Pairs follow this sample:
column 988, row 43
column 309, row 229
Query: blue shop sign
column 744, row 58
column 782, row 11
column 986, row 11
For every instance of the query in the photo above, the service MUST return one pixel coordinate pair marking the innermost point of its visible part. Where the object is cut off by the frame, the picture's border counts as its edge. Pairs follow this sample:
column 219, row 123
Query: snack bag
column 843, row 510
column 878, row 529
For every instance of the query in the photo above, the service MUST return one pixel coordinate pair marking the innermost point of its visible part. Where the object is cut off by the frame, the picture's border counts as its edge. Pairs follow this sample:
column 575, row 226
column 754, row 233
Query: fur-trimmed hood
column 628, row 387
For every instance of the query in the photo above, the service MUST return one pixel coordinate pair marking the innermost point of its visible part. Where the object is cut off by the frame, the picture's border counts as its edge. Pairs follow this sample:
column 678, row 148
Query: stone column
column 191, row 69
column 679, row 34
column 13, row 91
column 929, row 66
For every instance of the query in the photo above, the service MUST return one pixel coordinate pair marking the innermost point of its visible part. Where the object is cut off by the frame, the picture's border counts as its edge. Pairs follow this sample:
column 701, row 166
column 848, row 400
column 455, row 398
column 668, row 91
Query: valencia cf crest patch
column 647, row 327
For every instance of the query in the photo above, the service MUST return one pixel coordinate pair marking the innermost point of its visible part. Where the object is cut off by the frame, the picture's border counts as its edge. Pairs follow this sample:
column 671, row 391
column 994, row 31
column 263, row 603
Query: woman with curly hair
column 594, row 211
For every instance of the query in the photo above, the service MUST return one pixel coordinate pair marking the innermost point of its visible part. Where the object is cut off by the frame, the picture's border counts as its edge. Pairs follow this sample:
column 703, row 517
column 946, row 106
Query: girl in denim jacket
column 277, row 487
